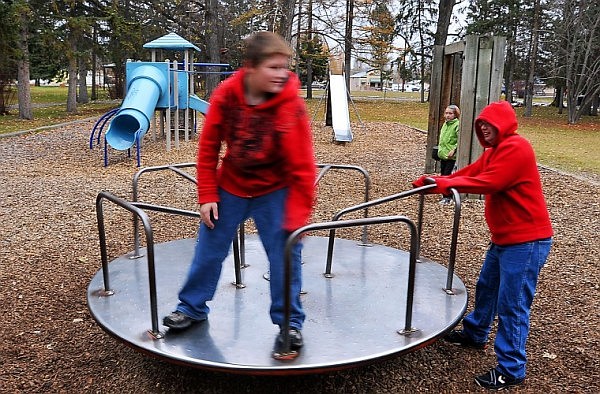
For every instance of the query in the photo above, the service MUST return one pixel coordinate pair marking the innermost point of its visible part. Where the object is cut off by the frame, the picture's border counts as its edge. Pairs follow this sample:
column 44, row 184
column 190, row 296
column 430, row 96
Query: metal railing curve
column 295, row 236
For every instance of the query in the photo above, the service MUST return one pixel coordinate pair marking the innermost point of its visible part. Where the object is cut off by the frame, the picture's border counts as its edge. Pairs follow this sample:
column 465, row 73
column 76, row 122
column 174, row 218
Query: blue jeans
column 213, row 246
column 506, row 287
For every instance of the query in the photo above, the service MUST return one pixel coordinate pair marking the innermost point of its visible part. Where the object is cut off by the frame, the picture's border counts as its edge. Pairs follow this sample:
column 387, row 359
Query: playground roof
column 172, row 42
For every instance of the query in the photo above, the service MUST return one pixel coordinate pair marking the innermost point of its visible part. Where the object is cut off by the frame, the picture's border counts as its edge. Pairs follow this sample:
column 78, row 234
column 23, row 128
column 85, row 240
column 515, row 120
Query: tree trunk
column 348, row 41
column 284, row 27
column 445, row 12
column 94, row 61
column 298, row 37
column 72, row 90
column 309, row 76
column 594, row 107
column 24, row 90
column 508, row 75
column 532, row 58
column 82, row 97
column 214, row 54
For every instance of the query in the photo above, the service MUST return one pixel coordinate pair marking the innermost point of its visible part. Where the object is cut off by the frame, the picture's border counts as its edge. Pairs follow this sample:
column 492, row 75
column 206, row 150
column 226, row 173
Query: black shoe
column 179, row 321
column 458, row 337
column 494, row 380
column 296, row 342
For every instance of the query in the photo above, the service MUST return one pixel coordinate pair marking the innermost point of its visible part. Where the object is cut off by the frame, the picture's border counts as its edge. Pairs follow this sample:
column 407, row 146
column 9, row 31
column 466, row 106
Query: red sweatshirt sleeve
column 497, row 169
column 208, row 154
column 301, row 169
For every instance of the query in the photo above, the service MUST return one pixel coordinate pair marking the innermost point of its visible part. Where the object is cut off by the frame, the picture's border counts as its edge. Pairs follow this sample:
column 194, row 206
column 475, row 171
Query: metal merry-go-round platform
column 364, row 302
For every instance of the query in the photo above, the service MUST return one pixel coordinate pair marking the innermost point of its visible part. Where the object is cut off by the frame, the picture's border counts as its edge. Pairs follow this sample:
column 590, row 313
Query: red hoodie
column 268, row 147
column 515, row 209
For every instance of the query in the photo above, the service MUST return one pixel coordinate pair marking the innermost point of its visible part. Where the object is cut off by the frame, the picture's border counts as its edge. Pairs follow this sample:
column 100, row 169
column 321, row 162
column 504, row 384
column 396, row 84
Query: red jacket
column 515, row 209
column 268, row 147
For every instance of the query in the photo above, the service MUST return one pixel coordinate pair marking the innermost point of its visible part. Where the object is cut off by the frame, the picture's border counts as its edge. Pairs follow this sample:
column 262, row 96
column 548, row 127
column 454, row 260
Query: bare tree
column 579, row 29
column 286, row 20
column 348, row 40
column 443, row 23
column 24, row 90
column 533, row 52
column 212, row 20
column 72, row 72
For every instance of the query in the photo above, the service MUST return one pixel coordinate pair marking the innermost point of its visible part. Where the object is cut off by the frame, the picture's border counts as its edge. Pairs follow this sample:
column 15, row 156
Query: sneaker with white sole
column 494, row 380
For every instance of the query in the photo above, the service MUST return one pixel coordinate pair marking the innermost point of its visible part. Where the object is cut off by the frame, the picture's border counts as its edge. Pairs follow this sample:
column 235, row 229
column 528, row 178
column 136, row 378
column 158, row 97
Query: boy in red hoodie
column 517, row 216
column 267, row 173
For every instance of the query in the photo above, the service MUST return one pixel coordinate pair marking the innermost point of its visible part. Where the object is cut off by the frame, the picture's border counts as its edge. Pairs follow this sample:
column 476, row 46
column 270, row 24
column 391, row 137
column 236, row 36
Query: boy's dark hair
column 263, row 44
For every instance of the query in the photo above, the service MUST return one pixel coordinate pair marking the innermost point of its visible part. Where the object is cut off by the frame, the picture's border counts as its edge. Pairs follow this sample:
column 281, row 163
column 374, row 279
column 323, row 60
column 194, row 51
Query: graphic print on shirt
column 254, row 140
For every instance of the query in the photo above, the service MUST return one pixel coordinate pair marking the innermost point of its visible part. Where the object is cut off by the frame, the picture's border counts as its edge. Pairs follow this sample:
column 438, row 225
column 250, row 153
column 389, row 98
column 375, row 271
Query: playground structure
column 469, row 74
column 364, row 302
column 163, row 86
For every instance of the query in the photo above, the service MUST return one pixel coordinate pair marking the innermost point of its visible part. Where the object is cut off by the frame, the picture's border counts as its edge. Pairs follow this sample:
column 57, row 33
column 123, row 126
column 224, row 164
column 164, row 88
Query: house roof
column 361, row 74
column 172, row 42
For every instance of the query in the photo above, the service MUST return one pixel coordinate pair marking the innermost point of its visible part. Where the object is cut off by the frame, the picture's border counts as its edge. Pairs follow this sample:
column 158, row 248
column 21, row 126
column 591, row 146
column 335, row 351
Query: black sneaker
column 296, row 342
column 494, row 380
column 458, row 337
column 179, row 321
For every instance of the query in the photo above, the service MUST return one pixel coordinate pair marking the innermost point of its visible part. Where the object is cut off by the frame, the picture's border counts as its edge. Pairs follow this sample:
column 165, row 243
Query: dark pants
column 447, row 166
column 446, row 169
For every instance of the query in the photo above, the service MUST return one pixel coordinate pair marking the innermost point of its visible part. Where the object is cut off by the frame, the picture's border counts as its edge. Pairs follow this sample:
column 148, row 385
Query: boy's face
column 449, row 114
column 271, row 74
column 488, row 131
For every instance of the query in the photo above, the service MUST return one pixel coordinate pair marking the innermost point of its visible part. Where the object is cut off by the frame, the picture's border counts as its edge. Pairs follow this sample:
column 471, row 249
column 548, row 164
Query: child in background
column 448, row 142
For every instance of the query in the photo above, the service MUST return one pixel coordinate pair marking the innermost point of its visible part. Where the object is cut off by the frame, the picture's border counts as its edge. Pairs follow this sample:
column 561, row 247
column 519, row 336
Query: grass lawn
column 49, row 107
column 557, row 144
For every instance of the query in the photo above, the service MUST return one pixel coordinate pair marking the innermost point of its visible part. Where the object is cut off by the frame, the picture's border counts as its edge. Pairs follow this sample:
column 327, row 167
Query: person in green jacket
column 448, row 143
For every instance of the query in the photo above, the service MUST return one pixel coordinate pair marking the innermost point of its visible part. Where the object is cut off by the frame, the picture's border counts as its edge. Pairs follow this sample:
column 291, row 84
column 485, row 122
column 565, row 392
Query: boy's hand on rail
column 208, row 212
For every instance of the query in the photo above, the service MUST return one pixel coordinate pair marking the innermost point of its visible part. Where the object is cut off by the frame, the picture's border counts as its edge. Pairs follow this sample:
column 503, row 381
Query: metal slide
column 339, row 108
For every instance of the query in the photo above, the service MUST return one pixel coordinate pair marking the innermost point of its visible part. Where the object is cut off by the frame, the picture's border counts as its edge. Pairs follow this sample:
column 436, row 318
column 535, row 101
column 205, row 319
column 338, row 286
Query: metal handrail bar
column 326, row 167
column 454, row 240
column 363, row 206
column 295, row 236
column 150, row 247
column 238, row 242
column 173, row 167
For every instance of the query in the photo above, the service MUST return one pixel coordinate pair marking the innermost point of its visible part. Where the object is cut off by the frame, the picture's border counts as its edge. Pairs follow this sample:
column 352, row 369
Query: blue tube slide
column 146, row 85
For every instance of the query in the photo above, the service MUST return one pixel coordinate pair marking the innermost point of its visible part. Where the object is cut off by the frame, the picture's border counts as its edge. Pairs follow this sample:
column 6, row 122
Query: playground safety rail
column 420, row 190
column 239, row 240
column 332, row 225
column 137, row 210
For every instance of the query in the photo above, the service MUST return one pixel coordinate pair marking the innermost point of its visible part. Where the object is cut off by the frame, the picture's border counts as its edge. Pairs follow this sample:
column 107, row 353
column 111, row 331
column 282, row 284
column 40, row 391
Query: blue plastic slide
column 146, row 85
column 197, row 104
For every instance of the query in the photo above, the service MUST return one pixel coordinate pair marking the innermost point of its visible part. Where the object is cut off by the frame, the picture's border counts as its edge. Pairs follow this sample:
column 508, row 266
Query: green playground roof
column 172, row 42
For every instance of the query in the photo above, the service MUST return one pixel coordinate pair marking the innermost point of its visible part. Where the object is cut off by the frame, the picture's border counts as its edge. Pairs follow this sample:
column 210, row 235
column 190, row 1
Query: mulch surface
column 49, row 252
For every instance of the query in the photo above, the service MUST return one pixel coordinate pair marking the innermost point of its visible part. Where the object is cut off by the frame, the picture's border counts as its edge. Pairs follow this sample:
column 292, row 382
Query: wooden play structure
column 469, row 74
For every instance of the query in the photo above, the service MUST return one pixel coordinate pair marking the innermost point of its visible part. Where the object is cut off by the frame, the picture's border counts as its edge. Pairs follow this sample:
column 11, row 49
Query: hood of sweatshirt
column 502, row 116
